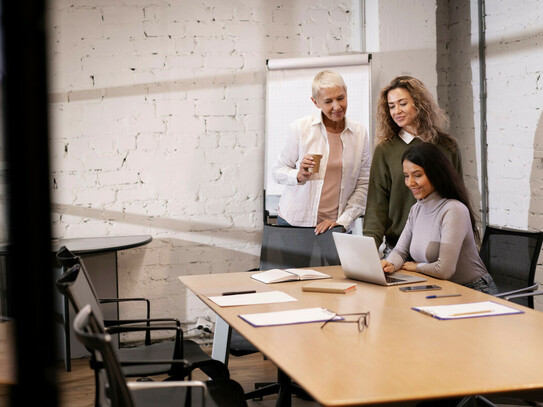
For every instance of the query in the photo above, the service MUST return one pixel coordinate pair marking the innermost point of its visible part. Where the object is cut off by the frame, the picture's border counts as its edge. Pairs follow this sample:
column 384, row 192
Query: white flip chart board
column 288, row 93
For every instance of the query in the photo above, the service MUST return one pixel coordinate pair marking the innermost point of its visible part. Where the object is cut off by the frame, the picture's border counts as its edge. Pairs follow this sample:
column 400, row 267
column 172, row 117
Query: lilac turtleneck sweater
column 439, row 237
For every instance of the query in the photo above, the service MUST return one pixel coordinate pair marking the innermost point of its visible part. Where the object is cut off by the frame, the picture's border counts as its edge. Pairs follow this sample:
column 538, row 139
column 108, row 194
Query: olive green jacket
column 389, row 200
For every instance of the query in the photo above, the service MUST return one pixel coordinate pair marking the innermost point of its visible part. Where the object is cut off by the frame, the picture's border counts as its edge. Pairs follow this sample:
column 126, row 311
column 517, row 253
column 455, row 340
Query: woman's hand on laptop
column 387, row 266
column 410, row 266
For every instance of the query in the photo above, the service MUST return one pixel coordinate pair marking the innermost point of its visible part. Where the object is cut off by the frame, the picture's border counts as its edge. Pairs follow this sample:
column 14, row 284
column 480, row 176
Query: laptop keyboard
column 392, row 279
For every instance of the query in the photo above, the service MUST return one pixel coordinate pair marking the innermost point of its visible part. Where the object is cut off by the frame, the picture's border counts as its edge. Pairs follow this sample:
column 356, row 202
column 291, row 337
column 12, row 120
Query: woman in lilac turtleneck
column 440, row 234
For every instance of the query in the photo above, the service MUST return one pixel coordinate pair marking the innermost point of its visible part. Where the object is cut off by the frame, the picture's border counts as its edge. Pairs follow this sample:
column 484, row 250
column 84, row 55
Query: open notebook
column 282, row 275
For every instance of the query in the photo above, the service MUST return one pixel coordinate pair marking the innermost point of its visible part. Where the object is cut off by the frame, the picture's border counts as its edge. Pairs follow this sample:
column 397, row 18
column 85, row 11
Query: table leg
column 67, row 349
column 284, row 399
column 221, row 340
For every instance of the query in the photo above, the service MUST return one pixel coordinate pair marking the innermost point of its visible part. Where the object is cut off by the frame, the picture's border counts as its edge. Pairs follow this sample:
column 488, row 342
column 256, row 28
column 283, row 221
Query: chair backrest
column 76, row 284
column 65, row 257
column 510, row 257
column 89, row 331
column 289, row 246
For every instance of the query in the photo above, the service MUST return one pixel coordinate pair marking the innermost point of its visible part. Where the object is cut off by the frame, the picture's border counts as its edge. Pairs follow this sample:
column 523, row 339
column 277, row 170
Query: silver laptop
column 360, row 261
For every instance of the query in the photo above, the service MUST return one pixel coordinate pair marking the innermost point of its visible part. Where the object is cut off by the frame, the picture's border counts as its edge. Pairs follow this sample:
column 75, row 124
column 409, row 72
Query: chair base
column 284, row 388
column 480, row 401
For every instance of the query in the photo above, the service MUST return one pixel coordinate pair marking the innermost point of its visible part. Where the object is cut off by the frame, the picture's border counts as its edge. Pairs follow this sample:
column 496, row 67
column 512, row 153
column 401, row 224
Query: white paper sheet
column 295, row 316
column 265, row 297
column 469, row 310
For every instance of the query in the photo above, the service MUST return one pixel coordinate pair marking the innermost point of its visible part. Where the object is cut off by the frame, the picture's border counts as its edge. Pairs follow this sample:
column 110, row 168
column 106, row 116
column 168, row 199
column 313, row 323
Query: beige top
column 329, row 202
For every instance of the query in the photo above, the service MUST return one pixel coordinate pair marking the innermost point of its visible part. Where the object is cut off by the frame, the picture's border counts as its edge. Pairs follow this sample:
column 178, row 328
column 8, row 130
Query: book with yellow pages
column 330, row 287
column 282, row 275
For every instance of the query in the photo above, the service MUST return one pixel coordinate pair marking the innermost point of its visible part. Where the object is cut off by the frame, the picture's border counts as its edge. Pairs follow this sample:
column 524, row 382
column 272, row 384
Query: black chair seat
column 163, row 351
column 158, row 351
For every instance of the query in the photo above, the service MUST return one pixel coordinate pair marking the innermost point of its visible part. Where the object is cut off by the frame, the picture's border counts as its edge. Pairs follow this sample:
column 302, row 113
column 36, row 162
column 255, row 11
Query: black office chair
column 218, row 392
column 76, row 284
column 510, row 257
column 184, row 348
column 286, row 247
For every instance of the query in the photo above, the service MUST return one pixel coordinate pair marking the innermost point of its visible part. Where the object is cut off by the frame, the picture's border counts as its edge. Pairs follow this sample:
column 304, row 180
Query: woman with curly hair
column 407, row 114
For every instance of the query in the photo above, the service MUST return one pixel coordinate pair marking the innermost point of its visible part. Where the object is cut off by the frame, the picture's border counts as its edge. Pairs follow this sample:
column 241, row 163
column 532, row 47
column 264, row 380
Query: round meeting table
column 100, row 257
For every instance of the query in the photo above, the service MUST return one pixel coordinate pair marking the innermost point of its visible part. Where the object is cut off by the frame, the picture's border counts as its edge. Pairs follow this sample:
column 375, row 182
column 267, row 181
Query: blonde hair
column 326, row 79
column 430, row 120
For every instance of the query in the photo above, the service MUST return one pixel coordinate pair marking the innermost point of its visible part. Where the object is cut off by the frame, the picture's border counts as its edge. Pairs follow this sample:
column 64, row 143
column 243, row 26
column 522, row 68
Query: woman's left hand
column 410, row 266
column 324, row 226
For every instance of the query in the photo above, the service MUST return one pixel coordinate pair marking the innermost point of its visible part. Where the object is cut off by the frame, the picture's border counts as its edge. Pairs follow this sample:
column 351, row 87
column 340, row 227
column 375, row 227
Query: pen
column 471, row 313
column 443, row 296
column 239, row 292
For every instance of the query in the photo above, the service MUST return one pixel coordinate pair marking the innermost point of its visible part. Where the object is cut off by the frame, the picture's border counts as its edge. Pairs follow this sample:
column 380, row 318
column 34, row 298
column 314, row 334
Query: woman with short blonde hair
column 335, row 193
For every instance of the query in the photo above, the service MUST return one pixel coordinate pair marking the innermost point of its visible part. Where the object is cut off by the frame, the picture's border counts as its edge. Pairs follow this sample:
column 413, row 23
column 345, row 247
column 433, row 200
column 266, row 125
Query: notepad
column 295, row 316
column 265, row 297
column 469, row 310
column 329, row 287
column 282, row 275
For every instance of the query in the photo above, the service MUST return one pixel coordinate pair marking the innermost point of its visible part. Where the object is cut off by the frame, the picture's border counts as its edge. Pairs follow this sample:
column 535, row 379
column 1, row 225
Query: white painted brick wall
column 158, row 127
column 514, row 115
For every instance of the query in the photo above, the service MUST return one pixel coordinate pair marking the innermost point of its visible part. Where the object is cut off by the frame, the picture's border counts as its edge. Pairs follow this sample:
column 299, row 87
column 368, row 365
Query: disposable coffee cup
column 317, row 162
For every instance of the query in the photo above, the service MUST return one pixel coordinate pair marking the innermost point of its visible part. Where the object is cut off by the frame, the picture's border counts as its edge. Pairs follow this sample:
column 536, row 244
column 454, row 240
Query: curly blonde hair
column 430, row 120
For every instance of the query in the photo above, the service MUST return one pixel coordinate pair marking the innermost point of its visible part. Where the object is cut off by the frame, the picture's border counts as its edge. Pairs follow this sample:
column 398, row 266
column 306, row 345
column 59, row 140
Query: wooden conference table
column 402, row 356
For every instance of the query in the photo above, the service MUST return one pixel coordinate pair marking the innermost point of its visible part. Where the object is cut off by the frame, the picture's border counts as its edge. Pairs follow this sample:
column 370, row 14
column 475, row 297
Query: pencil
column 471, row 313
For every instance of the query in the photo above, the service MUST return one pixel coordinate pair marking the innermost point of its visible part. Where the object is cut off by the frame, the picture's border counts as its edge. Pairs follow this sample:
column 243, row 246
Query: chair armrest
column 137, row 386
column 520, row 290
column 148, row 322
column 183, row 362
column 182, row 365
column 113, row 322
column 529, row 294
column 132, row 299
column 178, row 346
column 117, row 329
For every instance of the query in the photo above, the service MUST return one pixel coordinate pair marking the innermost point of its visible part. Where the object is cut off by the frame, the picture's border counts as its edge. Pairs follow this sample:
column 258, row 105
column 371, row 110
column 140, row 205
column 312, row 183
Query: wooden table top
column 404, row 355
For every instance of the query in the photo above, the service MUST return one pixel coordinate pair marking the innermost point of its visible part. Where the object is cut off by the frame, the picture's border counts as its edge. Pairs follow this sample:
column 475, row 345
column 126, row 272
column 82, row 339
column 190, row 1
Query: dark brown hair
column 442, row 176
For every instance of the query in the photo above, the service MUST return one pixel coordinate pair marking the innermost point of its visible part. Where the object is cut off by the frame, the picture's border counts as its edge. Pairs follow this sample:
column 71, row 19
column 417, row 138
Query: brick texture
column 158, row 128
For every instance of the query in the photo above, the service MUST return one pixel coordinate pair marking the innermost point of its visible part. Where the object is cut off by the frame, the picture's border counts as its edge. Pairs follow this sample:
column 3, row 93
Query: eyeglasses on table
column 362, row 319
